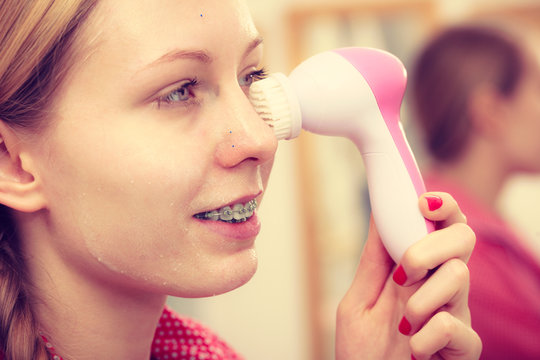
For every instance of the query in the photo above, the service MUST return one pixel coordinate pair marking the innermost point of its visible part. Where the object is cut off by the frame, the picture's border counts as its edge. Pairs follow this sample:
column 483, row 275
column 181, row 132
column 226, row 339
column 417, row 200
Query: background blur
column 315, row 210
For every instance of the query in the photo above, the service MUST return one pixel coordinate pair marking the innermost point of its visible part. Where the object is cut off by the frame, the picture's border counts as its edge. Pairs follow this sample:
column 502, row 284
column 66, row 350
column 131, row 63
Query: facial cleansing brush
column 355, row 93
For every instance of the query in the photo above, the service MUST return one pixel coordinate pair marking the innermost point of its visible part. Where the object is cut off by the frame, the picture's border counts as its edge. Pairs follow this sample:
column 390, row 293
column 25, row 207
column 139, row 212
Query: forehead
column 151, row 28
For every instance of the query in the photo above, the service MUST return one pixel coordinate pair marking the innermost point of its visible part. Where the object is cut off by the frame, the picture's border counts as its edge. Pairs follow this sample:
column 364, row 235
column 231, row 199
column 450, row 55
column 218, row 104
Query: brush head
column 275, row 101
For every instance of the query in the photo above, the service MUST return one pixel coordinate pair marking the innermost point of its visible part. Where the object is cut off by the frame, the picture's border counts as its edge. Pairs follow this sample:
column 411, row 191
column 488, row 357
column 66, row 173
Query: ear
column 488, row 111
column 19, row 187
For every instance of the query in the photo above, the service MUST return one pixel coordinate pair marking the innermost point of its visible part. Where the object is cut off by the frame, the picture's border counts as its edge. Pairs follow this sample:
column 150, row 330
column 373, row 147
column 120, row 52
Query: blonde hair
column 36, row 38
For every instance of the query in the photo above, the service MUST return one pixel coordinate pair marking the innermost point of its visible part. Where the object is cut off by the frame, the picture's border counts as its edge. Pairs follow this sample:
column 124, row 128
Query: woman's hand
column 418, row 309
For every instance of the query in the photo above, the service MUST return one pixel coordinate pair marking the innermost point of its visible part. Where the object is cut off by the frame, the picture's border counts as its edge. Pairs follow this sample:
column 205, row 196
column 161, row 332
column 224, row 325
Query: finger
column 424, row 255
column 373, row 270
column 456, row 241
column 448, row 336
column 442, row 208
column 447, row 288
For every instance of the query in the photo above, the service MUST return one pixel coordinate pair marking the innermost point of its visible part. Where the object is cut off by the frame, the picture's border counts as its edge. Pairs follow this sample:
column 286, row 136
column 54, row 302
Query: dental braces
column 238, row 213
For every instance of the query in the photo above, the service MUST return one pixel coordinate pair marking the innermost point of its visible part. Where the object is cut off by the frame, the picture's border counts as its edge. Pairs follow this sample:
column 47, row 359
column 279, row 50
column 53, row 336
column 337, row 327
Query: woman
column 132, row 164
column 476, row 89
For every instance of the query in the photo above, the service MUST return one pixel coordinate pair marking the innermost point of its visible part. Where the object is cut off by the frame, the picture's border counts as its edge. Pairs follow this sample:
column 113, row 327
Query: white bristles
column 275, row 102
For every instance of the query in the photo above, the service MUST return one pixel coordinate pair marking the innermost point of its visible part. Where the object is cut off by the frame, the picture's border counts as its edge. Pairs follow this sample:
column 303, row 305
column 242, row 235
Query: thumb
column 373, row 271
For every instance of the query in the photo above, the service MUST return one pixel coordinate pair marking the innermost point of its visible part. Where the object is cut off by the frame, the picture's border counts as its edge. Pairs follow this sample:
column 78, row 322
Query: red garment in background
column 505, row 281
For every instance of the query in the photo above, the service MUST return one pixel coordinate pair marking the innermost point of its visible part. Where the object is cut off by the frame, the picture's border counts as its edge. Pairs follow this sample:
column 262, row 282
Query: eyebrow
column 253, row 45
column 202, row 56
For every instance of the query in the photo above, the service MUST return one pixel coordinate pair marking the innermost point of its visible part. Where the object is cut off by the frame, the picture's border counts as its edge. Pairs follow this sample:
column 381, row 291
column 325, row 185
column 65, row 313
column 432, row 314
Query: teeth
column 213, row 215
column 238, row 213
column 226, row 214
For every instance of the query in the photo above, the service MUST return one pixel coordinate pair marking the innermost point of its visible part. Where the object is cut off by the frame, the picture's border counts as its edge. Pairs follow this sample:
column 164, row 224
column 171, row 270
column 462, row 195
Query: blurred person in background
column 476, row 93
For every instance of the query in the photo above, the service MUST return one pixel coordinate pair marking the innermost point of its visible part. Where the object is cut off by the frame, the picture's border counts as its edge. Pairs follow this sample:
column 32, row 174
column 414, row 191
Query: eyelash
column 259, row 74
column 190, row 85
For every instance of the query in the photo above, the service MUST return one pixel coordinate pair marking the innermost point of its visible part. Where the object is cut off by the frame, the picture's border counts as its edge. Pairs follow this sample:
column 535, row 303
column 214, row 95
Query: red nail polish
column 434, row 202
column 404, row 326
column 412, row 357
column 399, row 276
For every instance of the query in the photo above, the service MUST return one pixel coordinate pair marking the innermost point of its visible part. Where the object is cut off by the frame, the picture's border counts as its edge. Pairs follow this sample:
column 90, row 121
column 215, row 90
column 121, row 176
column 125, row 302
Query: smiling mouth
column 236, row 213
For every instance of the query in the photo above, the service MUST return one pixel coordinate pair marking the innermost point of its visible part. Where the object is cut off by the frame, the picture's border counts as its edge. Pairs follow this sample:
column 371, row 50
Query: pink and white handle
column 357, row 93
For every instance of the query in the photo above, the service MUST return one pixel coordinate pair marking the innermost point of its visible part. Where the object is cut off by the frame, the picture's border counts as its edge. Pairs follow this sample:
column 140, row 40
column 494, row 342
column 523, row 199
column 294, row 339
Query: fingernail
column 412, row 357
column 434, row 202
column 399, row 276
column 404, row 326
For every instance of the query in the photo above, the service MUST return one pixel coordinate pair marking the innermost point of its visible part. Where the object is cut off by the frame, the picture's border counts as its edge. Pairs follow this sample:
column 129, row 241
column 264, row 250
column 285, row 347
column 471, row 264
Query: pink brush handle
column 357, row 93
column 387, row 78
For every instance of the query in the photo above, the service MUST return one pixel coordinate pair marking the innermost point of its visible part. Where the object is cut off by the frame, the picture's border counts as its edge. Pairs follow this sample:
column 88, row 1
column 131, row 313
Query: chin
column 229, row 275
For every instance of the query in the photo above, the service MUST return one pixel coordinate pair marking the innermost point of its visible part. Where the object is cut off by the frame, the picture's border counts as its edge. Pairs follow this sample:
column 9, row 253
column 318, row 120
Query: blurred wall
column 269, row 319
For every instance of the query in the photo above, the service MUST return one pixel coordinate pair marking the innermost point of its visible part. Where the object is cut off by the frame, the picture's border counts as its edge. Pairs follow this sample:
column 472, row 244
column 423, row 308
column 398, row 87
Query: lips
column 235, row 213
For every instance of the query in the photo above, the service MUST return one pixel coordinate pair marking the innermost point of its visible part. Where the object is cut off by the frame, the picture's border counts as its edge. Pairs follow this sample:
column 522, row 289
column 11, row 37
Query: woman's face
column 152, row 128
column 519, row 140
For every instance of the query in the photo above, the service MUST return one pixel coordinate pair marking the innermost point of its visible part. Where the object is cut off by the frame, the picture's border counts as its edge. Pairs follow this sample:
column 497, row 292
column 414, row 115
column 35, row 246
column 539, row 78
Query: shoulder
column 179, row 337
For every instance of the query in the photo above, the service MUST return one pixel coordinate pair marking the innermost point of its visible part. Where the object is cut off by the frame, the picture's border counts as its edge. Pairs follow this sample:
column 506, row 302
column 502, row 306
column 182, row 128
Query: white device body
column 335, row 99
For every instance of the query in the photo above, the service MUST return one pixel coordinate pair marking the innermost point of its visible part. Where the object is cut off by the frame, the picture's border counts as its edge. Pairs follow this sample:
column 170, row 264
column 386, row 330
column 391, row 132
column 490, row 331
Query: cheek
column 123, row 206
column 523, row 138
column 124, row 212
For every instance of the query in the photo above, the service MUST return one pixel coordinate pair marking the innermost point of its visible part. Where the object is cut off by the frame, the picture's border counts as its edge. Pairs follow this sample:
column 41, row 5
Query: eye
column 182, row 94
column 250, row 78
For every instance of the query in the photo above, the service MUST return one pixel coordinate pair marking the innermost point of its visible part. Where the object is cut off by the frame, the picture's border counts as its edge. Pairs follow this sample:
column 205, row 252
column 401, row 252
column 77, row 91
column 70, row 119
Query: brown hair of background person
column 447, row 82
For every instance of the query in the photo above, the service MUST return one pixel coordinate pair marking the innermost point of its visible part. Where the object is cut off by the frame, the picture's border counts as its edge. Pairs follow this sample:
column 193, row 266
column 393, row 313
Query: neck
column 480, row 171
column 89, row 318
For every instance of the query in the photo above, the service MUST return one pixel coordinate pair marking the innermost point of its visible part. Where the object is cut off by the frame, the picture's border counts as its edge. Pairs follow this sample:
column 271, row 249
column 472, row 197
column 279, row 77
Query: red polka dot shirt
column 179, row 338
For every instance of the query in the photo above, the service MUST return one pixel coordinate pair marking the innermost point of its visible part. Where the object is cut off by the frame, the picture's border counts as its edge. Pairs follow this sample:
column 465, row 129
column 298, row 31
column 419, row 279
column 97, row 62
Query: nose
column 245, row 137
